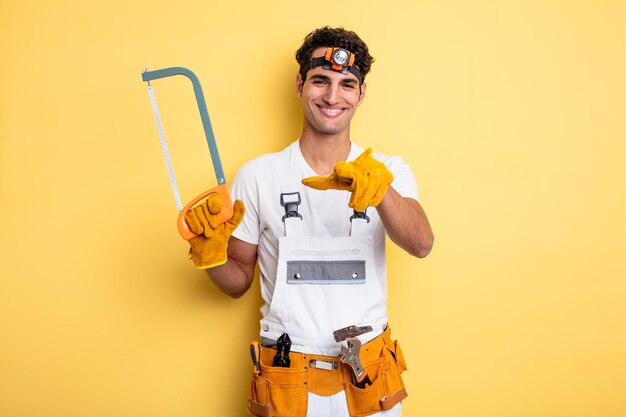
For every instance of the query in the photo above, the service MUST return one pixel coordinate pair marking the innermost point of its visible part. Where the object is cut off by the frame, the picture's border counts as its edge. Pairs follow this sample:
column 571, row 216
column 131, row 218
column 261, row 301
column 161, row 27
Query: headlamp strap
column 335, row 59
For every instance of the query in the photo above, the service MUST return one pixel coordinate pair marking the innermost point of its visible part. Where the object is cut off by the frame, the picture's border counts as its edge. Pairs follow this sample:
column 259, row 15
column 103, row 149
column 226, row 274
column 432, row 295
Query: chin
column 331, row 131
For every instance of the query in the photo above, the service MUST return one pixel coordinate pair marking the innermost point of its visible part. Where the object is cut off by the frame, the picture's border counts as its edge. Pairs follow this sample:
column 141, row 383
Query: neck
column 322, row 152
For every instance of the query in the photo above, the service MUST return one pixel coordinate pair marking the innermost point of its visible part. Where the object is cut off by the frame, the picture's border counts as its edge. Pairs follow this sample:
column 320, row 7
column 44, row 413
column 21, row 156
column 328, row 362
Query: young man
column 315, row 219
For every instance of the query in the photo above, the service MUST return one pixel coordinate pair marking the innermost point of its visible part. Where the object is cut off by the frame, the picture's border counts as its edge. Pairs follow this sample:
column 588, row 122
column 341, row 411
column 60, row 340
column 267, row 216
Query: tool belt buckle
column 326, row 365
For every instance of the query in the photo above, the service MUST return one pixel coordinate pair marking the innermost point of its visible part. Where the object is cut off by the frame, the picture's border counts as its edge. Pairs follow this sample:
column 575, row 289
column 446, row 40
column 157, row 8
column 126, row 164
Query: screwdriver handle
column 364, row 382
column 255, row 353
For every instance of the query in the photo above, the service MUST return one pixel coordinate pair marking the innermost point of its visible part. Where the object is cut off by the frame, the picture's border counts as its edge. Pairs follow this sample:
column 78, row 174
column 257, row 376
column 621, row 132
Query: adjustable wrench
column 350, row 356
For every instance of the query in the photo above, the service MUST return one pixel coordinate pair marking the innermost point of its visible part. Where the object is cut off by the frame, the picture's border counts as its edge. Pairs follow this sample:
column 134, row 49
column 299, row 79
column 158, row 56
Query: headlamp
column 335, row 59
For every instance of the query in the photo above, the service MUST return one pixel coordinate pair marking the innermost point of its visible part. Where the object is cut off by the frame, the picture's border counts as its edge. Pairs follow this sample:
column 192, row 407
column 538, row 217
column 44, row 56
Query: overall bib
column 324, row 284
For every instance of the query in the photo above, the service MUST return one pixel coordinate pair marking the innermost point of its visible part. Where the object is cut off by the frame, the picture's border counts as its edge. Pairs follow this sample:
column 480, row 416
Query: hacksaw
column 222, row 188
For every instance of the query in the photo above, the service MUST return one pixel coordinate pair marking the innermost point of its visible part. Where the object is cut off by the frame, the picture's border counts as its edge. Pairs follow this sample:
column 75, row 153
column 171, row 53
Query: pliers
column 283, row 346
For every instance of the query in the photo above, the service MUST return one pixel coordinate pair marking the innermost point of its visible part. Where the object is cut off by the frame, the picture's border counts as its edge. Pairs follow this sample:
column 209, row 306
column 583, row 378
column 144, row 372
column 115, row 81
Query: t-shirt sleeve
column 403, row 179
column 244, row 188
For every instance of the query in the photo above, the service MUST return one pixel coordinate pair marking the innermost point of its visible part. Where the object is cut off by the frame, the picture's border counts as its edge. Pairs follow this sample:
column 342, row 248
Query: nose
column 331, row 96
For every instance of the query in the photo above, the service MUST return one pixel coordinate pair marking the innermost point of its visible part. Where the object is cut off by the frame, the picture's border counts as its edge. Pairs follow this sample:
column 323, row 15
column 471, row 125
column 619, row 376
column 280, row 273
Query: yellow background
column 511, row 114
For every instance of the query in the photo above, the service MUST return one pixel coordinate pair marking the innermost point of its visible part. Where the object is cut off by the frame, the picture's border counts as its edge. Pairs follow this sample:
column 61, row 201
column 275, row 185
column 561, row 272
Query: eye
column 318, row 82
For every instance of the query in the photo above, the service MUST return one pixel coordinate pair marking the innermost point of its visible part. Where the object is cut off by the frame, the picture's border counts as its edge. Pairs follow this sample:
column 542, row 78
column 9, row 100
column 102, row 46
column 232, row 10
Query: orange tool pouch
column 283, row 392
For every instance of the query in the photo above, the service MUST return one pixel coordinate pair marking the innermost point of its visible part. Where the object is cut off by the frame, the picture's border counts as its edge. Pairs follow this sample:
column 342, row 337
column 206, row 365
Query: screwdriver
column 255, row 353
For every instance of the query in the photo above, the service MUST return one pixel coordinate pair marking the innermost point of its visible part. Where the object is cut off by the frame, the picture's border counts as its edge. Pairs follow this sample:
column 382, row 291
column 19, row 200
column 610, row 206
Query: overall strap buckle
column 291, row 201
column 360, row 215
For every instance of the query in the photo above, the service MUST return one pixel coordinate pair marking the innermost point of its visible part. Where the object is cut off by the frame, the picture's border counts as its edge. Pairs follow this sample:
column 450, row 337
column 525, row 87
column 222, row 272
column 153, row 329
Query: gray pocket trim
column 326, row 272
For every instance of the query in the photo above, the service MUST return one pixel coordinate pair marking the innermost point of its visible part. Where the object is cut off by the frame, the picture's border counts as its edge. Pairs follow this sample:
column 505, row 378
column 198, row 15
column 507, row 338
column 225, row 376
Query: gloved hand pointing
column 367, row 179
column 208, row 249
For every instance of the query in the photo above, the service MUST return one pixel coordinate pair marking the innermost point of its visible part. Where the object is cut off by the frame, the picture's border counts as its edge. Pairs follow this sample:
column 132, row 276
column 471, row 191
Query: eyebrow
column 320, row 77
column 327, row 78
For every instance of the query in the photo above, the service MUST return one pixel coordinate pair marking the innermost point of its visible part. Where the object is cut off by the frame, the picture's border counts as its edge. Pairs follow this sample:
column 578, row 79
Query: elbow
column 423, row 252
column 423, row 249
column 236, row 295
column 235, row 292
column 419, row 248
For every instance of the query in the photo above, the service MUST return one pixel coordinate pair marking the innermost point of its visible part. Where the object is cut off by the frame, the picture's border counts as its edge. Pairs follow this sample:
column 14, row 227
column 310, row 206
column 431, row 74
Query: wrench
column 350, row 356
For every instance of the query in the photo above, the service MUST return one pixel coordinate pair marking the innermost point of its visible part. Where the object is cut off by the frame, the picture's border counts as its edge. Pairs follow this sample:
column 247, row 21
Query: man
column 315, row 219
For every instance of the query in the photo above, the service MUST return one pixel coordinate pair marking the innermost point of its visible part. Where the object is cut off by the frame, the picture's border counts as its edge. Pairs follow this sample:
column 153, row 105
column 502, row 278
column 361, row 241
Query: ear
column 299, row 84
column 362, row 94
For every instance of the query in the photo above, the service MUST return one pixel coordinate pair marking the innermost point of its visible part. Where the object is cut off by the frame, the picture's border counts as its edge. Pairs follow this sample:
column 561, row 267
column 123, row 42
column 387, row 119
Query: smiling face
column 330, row 99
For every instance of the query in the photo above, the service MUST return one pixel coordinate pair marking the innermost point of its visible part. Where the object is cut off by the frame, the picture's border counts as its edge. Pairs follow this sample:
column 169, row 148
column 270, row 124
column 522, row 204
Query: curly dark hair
column 336, row 37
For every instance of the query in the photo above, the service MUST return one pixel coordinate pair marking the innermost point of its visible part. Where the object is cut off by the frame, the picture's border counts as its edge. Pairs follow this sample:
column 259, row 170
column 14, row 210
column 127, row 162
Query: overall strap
column 292, row 219
column 290, row 198
column 358, row 223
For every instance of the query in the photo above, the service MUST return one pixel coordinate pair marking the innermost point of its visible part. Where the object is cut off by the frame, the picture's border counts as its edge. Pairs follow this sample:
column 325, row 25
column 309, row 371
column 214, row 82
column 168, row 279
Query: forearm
column 235, row 276
column 230, row 278
column 406, row 223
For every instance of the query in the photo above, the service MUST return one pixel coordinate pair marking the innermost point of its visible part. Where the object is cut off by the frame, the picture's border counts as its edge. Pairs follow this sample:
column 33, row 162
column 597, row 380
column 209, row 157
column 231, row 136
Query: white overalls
column 318, row 273
column 324, row 284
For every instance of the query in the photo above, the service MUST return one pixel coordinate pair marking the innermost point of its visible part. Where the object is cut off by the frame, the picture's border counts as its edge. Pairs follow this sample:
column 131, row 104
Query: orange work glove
column 208, row 249
column 367, row 179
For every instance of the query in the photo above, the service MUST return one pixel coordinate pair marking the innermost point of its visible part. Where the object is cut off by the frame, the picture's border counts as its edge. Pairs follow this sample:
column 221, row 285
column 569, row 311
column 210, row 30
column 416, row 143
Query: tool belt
column 283, row 392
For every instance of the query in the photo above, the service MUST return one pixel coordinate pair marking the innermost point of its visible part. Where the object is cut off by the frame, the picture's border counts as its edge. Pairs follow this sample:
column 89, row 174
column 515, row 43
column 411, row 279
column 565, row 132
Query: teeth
column 330, row 111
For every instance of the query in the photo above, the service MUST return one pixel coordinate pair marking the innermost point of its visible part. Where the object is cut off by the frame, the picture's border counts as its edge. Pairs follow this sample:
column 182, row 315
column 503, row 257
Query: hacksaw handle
column 223, row 216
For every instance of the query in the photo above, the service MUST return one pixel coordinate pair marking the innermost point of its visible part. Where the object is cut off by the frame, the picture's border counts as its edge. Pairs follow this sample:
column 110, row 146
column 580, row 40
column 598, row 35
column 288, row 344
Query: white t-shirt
column 259, row 184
